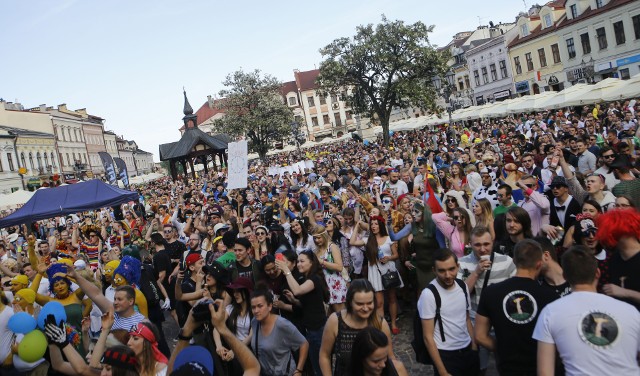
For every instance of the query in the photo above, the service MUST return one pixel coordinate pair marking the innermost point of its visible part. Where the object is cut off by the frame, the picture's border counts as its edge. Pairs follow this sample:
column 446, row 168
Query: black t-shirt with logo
column 626, row 274
column 513, row 307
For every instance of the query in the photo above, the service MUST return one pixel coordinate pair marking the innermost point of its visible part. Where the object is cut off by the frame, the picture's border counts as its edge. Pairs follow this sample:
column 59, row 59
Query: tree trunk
column 384, row 121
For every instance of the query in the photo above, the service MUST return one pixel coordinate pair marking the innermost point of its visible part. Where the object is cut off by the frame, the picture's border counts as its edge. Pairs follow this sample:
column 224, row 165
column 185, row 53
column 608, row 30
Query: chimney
column 62, row 107
column 210, row 101
column 83, row 112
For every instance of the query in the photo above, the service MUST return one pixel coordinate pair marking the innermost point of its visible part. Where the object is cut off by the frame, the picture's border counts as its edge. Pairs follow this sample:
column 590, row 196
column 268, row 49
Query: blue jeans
column 314, row 337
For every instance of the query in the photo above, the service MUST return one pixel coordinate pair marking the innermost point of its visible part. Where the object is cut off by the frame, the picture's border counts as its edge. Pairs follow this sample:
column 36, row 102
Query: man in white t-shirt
column 448, row 337
column 396, row 186
column 593, row 333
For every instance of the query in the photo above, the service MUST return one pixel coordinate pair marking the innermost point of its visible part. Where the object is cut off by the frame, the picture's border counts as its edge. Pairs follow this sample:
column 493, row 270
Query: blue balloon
column 366, row 142
column 390, row 133
column 52, row 308
column 22, row 323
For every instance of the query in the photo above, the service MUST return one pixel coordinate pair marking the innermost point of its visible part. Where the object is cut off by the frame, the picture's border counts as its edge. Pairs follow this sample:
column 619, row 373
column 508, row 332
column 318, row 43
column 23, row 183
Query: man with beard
column 608, row 156
column 529, row 166
column 396, row 186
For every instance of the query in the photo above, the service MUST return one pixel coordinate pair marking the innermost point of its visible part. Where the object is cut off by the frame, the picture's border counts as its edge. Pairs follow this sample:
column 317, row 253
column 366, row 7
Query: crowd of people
column 518, row 236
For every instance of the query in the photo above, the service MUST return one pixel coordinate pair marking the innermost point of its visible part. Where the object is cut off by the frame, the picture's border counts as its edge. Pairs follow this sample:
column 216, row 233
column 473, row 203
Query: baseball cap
column 219, row 227
column 193, row 361
column 193, row 258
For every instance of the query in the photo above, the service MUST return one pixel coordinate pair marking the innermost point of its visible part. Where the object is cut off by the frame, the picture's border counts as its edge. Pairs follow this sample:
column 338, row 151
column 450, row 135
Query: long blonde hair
column 486, row 216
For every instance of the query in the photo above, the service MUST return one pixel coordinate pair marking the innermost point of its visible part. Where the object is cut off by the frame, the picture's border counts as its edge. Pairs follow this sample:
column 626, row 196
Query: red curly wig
column 616, row 224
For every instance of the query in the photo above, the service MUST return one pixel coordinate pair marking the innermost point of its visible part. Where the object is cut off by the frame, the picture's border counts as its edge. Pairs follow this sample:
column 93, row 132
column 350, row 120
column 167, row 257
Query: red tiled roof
column 289, row 87
column 307, row 80
column 556, row 4
column 205, row 112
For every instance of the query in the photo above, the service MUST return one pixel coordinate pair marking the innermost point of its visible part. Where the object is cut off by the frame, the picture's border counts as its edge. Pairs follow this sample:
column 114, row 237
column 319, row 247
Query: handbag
column 390, row 279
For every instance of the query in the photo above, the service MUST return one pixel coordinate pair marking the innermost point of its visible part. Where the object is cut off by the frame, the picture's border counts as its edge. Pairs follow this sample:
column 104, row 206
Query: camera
column 201, row 311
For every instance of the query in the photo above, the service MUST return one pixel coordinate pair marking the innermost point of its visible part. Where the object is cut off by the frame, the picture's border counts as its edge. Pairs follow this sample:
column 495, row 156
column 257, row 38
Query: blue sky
column 127, row 61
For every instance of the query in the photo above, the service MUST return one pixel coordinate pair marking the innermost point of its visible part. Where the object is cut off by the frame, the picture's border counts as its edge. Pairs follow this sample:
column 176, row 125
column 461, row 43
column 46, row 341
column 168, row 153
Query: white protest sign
column 237, row 165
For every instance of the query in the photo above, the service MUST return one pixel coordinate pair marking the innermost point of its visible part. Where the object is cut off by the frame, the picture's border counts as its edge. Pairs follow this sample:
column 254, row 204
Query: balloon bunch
column 34, row 343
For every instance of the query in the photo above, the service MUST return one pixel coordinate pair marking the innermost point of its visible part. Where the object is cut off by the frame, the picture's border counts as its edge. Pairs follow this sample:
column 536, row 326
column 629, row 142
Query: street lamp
column 446, row 91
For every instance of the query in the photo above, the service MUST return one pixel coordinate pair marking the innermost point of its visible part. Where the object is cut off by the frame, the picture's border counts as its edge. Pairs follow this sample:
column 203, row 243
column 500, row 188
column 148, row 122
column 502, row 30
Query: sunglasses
column 451, row 201
column 590, row 232
column 457, row 217
column 259, row 233
column 610, row 156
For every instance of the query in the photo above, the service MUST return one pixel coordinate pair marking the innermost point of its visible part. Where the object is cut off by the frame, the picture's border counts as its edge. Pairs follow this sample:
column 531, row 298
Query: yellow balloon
column 33, row 346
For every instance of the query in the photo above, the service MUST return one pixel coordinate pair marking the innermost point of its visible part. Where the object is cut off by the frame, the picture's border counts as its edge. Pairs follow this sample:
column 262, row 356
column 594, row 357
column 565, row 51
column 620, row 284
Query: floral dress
column 337, row 285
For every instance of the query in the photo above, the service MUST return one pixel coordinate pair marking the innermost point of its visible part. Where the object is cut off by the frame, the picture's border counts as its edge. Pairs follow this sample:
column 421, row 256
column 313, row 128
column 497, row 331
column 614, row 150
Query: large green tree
column 254, row 108
column 389, row 65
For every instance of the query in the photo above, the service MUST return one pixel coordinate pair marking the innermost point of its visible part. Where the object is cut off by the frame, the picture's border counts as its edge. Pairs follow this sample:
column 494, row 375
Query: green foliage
column 254, row 108
column 388, row 65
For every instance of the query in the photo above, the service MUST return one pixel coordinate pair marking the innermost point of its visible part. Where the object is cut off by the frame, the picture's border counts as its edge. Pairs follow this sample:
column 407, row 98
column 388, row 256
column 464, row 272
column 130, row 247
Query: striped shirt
column 127, row 323
column 501, row 269
column 92, row 251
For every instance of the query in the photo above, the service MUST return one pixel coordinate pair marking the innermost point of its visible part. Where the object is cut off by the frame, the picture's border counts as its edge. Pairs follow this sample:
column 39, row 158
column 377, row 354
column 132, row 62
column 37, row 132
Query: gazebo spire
column 190, row 120
column 187, row 107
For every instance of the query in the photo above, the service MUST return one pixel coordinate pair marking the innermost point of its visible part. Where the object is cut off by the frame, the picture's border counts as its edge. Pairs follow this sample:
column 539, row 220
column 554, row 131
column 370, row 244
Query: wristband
column 287, row 273
column 184, row 338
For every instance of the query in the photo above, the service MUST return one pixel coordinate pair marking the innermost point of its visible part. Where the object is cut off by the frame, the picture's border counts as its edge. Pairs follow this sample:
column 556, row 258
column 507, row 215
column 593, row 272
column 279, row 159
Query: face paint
column 386, row 204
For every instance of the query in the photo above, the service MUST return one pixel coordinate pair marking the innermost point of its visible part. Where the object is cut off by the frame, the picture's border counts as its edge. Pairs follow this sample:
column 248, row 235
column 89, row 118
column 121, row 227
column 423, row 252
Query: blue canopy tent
column 68, row 199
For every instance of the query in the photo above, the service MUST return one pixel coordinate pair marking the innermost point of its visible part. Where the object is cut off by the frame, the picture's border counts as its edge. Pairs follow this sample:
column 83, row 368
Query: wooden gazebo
column 194, row 147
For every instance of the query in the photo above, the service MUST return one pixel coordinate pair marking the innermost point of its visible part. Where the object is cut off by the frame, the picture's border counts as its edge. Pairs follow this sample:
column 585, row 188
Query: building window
column 46, row 160
column 68, row 160
column 586, row 43
column 53, row 160
column 599, row 4
column 1, row 167
column 547, row 20
column 466, row 81
column 336, row 115
column 618, row 30
column 292, row 101
column 323, row 100
column 10, row 160
column 571, row 48
column 24, row 163
column 525, row 30
column 574, row 11
column 555, row 51
column 312, row 102
column 485, row 76
column 31, row 161
column 494, row 72
column 476, row 77
column 325, row 119
column 636, row 26
column 624, row 74
column 314, row 121
column 516, row 62
column 348, row 115
column 527, row 56
column 39, row 159
column 461, row 85
column 542, row 57
column 503, row 69
column 601, row 34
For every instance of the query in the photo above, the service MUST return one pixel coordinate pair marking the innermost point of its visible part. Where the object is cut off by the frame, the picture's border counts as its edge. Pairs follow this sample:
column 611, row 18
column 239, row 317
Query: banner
column 109, row 168
column 238, row 159
column 122, row 171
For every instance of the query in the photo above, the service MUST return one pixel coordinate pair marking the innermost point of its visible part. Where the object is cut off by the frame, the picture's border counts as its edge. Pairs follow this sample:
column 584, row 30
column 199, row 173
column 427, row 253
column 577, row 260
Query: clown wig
column 129, row 269
column 616, row 224
column 57, row 272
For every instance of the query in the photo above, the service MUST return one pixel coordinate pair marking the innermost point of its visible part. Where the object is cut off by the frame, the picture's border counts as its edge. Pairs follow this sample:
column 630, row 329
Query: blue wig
column 57, row 272
column 130, row 269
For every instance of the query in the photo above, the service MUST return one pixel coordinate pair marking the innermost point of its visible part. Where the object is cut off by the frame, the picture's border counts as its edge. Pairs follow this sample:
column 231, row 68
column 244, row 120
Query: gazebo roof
column 191, row 137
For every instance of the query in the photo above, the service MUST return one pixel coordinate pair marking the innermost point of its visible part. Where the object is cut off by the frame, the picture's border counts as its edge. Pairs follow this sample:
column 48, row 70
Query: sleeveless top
column 343, row 345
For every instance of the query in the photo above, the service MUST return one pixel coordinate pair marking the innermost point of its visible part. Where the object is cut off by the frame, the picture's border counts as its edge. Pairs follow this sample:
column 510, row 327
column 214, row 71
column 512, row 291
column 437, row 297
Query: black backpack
column 148, row 286
column 419, row 347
